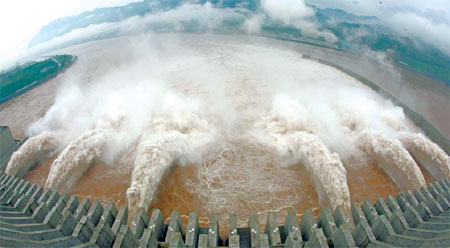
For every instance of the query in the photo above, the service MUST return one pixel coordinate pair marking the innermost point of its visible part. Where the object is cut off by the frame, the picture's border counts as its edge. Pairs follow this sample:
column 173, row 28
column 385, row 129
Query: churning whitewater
column 35, row 149
column 179, row 135
column 178, row 100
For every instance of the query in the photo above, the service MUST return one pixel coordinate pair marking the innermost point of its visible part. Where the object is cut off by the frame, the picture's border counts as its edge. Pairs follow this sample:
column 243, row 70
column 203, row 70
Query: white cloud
column 253, row 24
column 296, row 13
column 206, row 16
column 288, row 11
column 427, row 20
column 381, row 8
column 413, row 25
column 21, row 20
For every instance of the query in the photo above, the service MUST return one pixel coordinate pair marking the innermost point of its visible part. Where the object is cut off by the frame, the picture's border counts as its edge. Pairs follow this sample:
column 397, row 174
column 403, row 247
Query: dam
column 35, row 217
column 210, row 123
column 278, row 145
column 31, row 216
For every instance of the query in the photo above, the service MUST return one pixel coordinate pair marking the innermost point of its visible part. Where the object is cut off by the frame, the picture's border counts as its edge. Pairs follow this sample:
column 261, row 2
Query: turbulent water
column 32, row 151
column 430, row 155
column 393, row 158
column 75, row 159
column 177, row 136
column 229, row 108
column 288, row 131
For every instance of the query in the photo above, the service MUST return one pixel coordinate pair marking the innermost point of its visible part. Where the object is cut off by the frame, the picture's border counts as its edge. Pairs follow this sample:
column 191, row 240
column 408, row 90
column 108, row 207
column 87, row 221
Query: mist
column 426, row 22
column 419, row 20
column 185, row 100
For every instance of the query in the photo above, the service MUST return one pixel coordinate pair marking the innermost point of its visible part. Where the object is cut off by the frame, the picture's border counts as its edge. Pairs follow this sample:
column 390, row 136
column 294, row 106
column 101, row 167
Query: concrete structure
column 31, row 216
column 7, row 146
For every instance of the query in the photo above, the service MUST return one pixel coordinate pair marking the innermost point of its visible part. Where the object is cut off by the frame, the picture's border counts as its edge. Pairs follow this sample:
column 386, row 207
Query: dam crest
column 31, row 216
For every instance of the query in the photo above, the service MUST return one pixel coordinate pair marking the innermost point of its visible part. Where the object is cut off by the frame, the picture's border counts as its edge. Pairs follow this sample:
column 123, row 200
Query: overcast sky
column 21, row 20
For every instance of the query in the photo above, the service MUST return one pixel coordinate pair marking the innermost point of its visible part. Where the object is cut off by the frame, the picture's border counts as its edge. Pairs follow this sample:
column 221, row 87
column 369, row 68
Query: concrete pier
column 7, row 146
column 33, row 217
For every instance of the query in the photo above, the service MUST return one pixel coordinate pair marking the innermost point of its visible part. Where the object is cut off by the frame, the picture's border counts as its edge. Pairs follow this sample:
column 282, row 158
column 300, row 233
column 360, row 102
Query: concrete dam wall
column 31, row 216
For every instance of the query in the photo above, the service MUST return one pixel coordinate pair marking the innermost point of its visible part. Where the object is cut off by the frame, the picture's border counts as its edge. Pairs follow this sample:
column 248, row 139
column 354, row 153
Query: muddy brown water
column 183, row 188
column 366, row 182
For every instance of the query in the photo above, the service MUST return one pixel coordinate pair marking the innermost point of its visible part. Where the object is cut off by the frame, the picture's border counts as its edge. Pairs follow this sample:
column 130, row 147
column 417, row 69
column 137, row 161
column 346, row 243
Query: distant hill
column 355, row 33
column 64, row 25
column 338, row 16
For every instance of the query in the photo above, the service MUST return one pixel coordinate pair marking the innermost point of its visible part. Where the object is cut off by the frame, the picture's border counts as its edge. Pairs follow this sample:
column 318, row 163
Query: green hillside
column 24, row 77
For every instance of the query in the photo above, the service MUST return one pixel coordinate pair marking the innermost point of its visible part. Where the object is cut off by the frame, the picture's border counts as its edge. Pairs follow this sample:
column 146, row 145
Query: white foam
column 430, row 155
column 178, row 135
column 75, row 159
column 290, row 132
column 373, row 125
column 240, row 108
column 32, row 151
column 154, row 158
column 327, row 172
column 393, row 158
